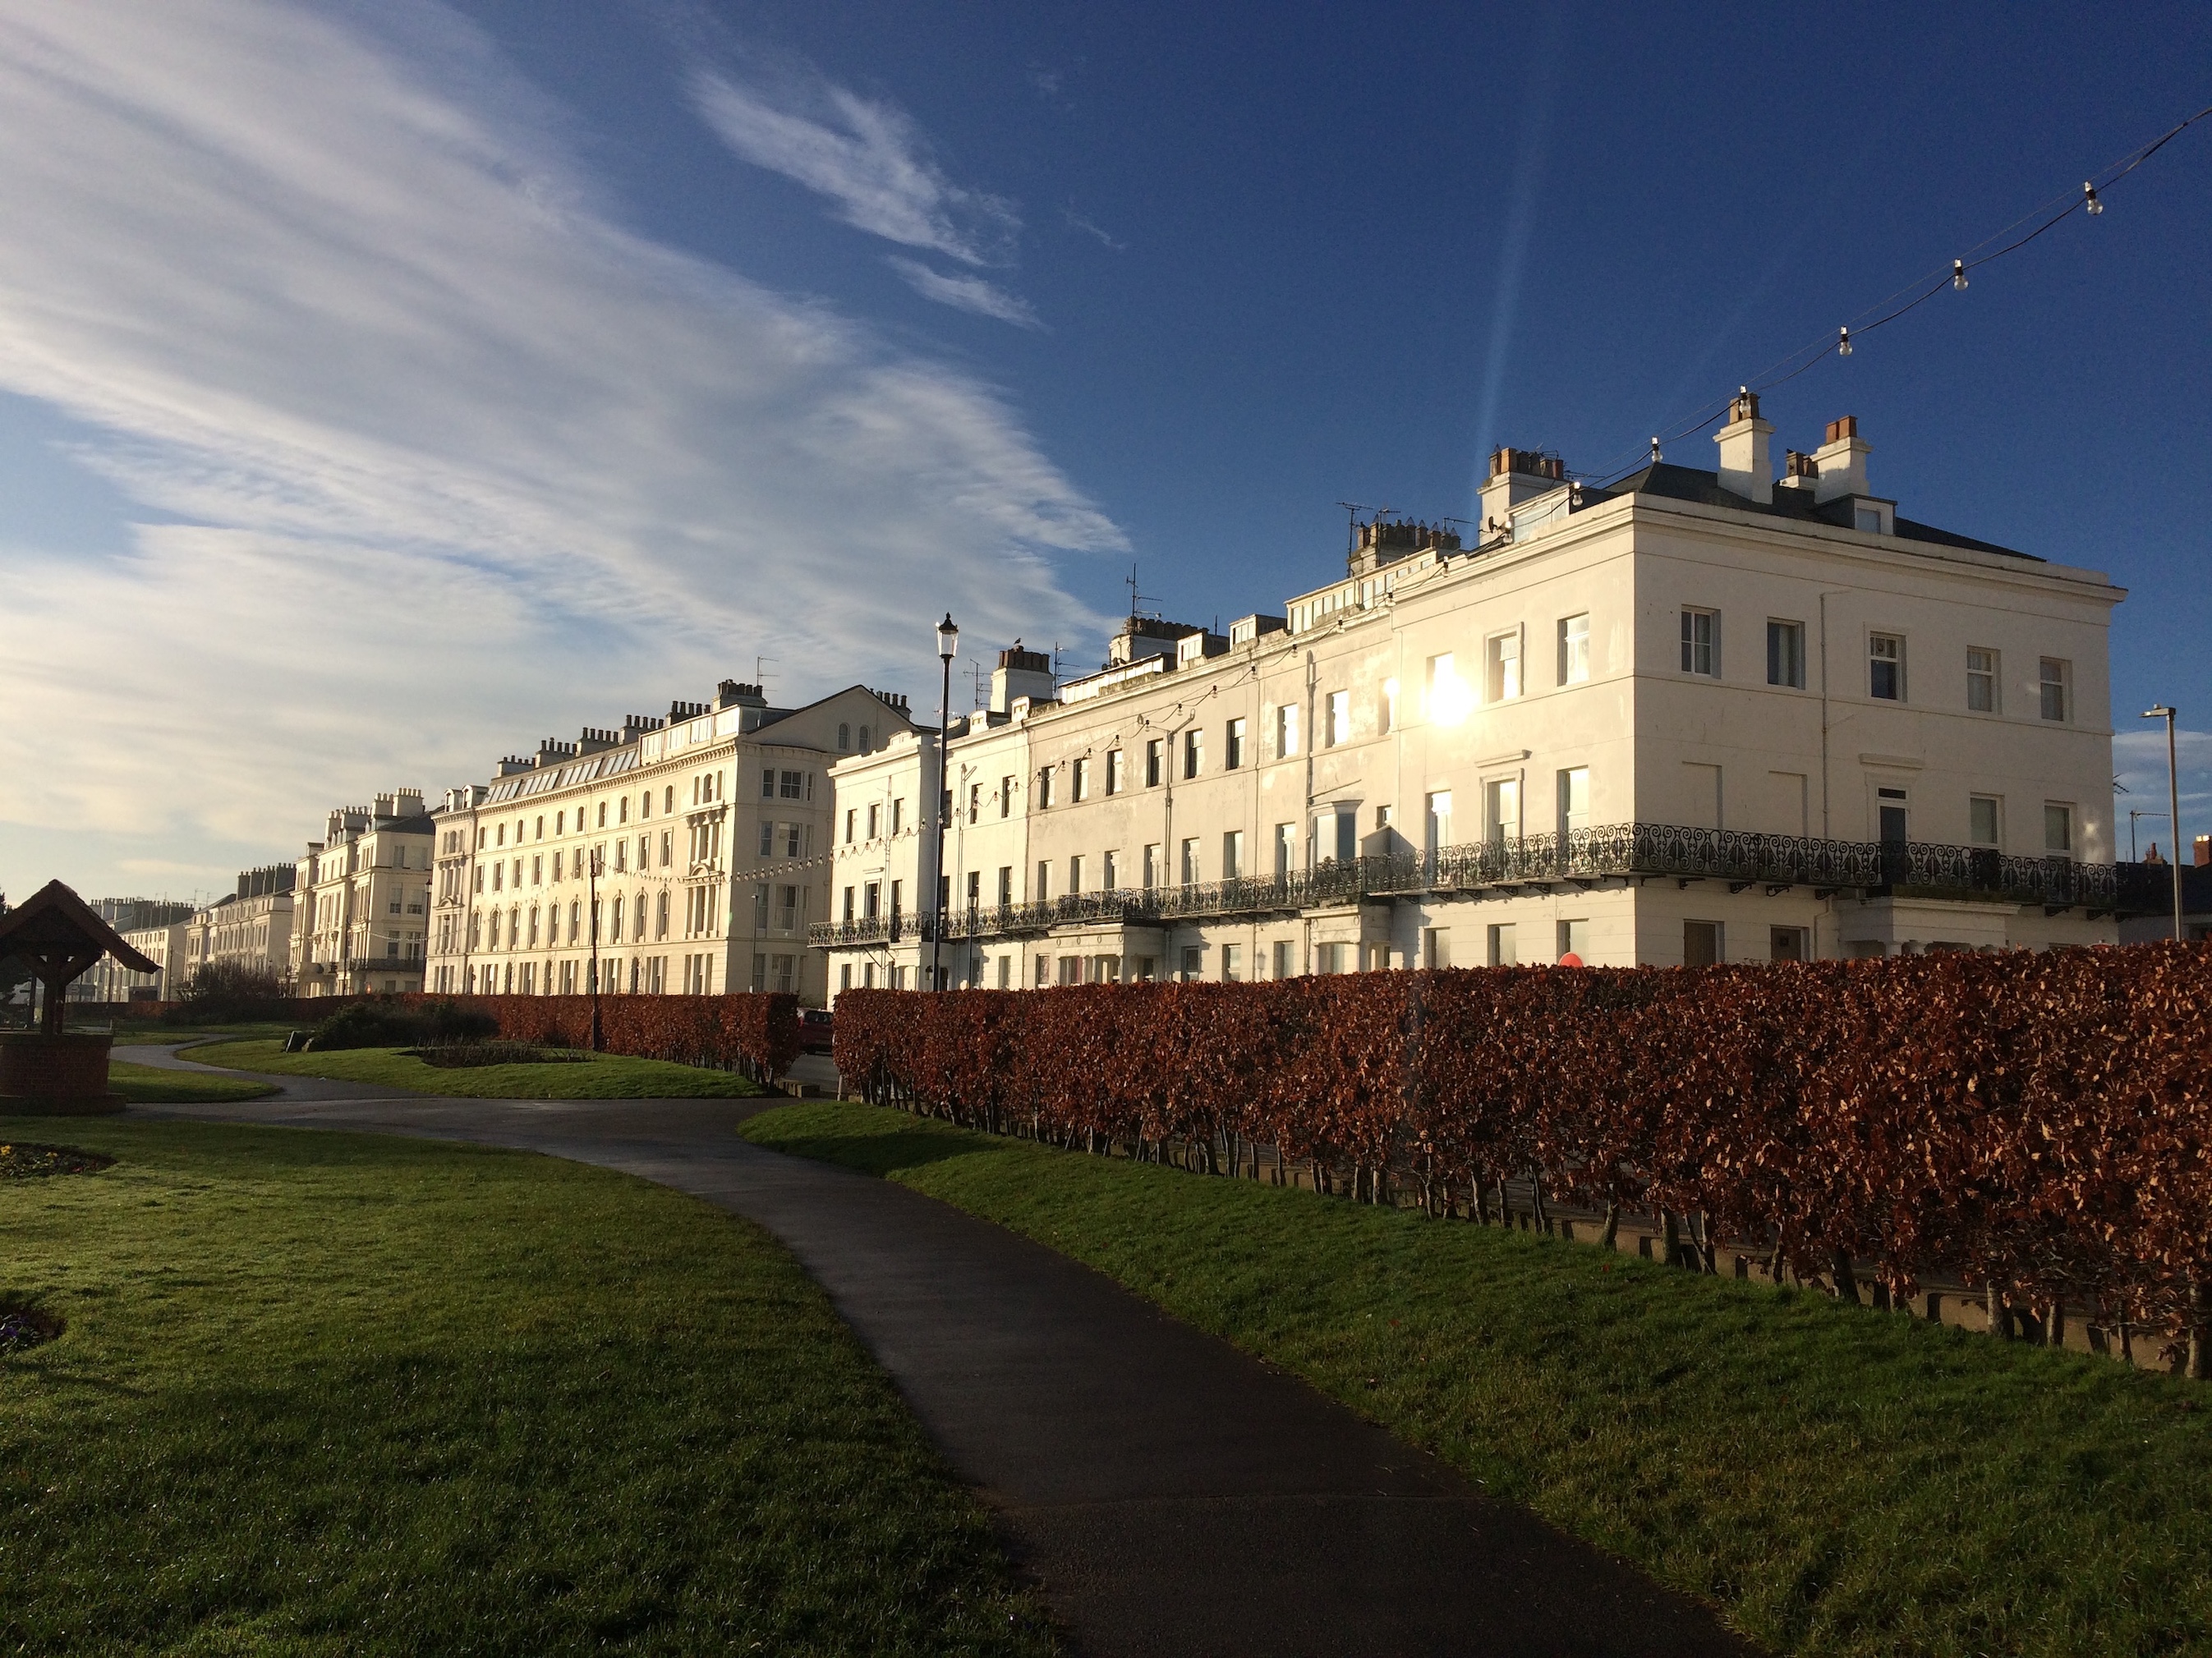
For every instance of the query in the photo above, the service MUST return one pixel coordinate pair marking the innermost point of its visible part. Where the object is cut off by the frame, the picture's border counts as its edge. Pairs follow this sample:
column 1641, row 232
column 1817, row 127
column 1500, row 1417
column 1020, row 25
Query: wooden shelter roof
column 55, row 918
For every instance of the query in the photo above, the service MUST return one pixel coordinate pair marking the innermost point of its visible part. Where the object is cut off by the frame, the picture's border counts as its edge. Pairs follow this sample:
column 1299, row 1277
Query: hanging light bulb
column 1959, row 275
column 1843, row 342
column 2089, row 198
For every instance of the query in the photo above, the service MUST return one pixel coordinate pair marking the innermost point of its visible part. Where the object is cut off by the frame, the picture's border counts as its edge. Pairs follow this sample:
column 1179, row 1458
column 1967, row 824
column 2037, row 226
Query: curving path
column 1168, row 1493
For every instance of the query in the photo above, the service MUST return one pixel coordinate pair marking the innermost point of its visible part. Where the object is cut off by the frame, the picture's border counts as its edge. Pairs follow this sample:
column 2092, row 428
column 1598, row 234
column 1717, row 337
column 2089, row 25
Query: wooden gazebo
column 58, row 937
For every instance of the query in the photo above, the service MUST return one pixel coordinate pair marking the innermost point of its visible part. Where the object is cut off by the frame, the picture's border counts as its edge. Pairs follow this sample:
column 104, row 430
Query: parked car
column 814, row 1028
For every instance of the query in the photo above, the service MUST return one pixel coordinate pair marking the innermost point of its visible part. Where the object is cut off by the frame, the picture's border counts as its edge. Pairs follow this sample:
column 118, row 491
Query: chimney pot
column 1516, row 475
column 1746, row 469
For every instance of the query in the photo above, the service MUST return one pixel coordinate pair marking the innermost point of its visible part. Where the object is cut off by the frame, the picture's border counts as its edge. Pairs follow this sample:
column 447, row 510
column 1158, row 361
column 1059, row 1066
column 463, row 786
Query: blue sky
column 384, row 387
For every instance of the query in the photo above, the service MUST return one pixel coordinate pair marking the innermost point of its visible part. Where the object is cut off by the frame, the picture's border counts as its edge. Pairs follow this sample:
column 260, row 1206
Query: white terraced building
column 250, row 927
column 359, row 898
column 1695, row 716
column 673, row 855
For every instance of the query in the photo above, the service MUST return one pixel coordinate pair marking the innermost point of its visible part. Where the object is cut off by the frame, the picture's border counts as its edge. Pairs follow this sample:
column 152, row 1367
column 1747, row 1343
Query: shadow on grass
column 1841, row 1481
column 881, row 1154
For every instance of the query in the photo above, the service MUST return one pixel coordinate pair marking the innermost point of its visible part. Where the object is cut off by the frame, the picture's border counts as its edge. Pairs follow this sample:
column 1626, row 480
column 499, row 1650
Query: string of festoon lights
column 2088, row 201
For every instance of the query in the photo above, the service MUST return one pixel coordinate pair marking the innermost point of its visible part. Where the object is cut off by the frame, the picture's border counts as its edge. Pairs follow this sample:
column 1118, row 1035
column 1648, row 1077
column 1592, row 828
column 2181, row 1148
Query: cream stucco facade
column 1699, row 715
column 675, row 855
column 148, row 919
column 360, row 901
column 250, row 927
column 163, row 946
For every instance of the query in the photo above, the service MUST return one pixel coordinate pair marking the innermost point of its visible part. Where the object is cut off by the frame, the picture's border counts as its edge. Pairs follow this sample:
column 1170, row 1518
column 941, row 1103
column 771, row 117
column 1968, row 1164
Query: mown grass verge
column 603, row 1077
column 146, row 1085
column 1835, row 1480
column 334, row 1393
column 154, row 1033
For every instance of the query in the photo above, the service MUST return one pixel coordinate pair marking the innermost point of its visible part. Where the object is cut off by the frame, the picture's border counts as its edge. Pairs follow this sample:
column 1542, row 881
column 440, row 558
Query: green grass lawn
column 146, row 1084
column 604, row 1076
column 154, row 1033
column 324, row 1394
column 1836, row 1480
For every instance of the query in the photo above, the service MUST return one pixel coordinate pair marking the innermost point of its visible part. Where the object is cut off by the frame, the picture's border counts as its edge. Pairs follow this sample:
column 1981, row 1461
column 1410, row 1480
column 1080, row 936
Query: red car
column 814, row 1030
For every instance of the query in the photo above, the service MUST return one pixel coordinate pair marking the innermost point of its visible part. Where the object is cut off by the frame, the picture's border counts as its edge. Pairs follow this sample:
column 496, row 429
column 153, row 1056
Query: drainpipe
column 1828, row 832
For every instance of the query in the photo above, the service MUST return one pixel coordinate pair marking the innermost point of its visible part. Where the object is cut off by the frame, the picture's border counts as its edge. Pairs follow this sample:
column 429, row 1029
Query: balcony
column 868, row 930
column 1742, row 859
column 1776, row 862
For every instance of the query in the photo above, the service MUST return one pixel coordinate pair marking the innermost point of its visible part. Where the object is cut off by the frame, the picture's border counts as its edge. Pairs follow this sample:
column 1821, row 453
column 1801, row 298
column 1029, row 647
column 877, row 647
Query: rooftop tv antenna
column 760, row 674
column 1137, row 600
column 1352, row 523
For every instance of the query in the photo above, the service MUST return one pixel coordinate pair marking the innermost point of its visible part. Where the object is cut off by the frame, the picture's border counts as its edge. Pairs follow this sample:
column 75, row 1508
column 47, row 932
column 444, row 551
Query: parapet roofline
column 614, row 757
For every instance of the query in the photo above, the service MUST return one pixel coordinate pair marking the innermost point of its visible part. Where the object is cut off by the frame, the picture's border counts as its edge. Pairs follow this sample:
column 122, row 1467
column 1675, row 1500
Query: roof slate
column 1671, row 482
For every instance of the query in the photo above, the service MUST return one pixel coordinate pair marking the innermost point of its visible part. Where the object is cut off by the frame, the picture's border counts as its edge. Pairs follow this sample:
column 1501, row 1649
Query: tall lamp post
column 598, row 867
column 948, row 646
column 2173, row 806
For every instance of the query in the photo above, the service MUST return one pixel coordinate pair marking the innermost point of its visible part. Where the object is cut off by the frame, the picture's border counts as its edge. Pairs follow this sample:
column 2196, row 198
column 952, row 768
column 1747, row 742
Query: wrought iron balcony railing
column 1739, row 858
column 1780, row 861
column 867, row 930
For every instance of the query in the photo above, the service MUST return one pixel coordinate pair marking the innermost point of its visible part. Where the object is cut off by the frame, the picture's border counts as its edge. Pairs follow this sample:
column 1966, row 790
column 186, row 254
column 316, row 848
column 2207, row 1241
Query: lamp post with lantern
column 948, row 646
column 2165, row 711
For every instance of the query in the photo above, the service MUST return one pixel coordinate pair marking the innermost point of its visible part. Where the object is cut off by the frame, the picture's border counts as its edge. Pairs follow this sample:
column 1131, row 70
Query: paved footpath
column 1170, row 1494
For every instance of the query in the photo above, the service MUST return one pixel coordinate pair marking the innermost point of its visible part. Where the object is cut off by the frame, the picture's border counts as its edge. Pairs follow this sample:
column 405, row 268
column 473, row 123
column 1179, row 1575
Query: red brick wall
column 39, row 1068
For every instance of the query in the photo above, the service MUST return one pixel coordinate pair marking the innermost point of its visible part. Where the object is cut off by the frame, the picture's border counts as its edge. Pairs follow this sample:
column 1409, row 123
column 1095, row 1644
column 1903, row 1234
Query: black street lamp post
column 598, row 867
column 2164, row 711
column 948, row 646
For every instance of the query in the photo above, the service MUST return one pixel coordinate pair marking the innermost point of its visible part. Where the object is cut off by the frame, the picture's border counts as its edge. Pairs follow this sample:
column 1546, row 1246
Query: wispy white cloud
column 1077, row 222
column 867, row 156
column 965, row 293
column 447, row 459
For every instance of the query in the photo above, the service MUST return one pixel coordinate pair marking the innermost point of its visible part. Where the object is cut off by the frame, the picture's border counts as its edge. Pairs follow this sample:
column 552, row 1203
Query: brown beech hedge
column 755, row 1033
column 2039, row 1124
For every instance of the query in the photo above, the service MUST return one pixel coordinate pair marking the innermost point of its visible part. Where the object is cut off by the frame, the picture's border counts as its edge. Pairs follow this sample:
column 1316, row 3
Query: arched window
column 864, row 739
column 639, row 911
column 616, row 933
column 660, row 918
column 844, row 739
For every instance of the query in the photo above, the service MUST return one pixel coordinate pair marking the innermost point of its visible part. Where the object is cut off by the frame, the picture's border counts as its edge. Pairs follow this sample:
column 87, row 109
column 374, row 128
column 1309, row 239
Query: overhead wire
column 1922, row 290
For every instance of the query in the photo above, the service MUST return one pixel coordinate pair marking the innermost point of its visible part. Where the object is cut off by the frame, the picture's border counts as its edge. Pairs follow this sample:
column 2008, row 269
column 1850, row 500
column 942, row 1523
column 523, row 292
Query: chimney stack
column 1841, row 462
column 2203, row 847
column 735, row 693
column 1021, row 673
column 1516, row 475
column 1746, row 468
